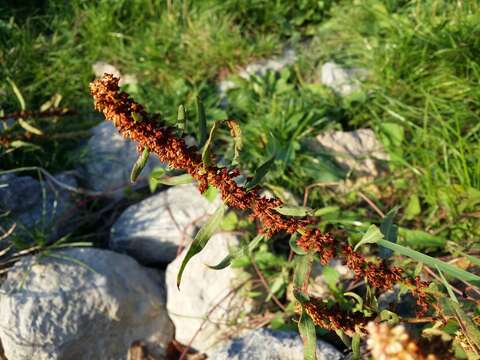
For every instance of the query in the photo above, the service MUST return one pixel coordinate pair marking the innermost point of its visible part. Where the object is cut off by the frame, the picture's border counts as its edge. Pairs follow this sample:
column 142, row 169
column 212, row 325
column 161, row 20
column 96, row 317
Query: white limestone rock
column 358, row 151
column 81, row 304
column 109, row 159
column 152, row 230
column 201, row 289
column 343, row 81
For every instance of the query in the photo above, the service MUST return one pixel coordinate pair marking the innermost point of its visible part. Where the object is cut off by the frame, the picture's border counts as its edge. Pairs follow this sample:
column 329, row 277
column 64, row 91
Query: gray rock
column 37, row 207
column 81, row 304
column 358, row 151
column 153, row 229
column 201, row 289
column 109, row 159
column 341, row 80
column 265, row 344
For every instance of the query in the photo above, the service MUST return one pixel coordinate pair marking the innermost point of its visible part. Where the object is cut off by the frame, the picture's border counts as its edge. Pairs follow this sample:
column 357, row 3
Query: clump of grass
column 420, row 97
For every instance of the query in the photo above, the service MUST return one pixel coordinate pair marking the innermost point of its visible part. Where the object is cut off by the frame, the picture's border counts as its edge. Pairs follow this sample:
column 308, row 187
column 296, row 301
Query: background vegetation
column 420, row 94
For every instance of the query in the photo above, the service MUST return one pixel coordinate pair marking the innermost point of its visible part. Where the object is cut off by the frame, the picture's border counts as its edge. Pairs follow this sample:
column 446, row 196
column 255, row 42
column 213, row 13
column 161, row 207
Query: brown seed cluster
column 378, row 275
column 322, row 243
column 171, row 149
column 332, row 317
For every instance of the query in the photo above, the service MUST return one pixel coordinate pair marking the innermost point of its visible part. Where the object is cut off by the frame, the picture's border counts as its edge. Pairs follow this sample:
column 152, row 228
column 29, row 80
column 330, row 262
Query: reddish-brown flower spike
column 161, row 140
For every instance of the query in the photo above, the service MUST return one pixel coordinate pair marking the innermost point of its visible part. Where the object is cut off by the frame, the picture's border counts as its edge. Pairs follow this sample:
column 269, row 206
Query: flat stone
column 342, row 80
column 206, row 307
column 152, row 230
column 109, row 159
column 358, row 151
column 266, row 344
column 81, row 304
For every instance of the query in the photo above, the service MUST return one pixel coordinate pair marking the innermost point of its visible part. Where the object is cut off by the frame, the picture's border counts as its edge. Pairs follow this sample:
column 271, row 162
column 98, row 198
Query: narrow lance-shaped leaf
column 206, row 148
column 236, row 133
column 293, row 245
column 260, row 173
column 30, row 128
column 181, row 118
column 139, row 165
column 293, row 210
column 430, row 261
column 18, row 94
column 227, row 260
column 175, row 180
column 302, row 270
column 306, row 327
column 202, row 122
column 389, row 231
column 201, row 239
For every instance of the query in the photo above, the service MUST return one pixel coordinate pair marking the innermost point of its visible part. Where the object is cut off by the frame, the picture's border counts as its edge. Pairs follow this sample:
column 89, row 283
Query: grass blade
column 430, row 261
column 201, row 239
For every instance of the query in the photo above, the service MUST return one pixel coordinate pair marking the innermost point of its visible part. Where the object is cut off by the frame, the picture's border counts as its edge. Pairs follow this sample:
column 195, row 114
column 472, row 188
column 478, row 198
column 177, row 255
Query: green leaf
column 330, row 276
column 248, row 249
column 302, row 270
column 30, row 128
column 306, row 328
column 202, row 122
column 389, row 231
column 293, row 245
column 326, row 210
column 206, row 148
column 201, row 239
column 390, row 317
column 236, row 133
column 372, row 236
column 430, row 261
column 211, row 193
column 413, row 208
column 447, row 286
column 175, row 180
column 260, row 173
column 137, row 117
column 419, row 239
column 225, row 262
column 293, row 210
column 139, row 165
column 181, row 118
column 18, row 94
column 355, row 347
column 17, row 144
column 300, row 296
